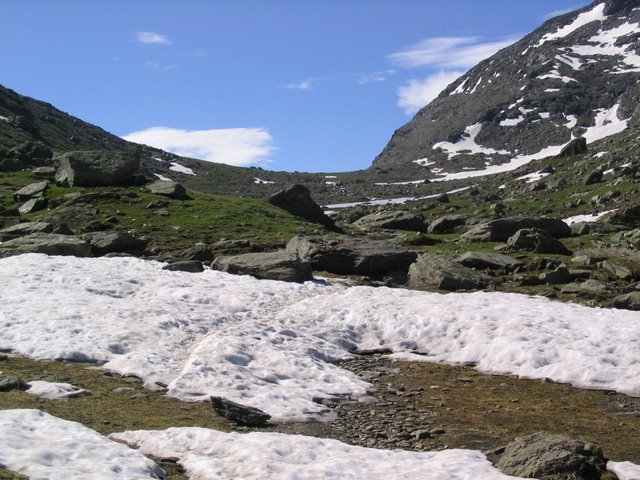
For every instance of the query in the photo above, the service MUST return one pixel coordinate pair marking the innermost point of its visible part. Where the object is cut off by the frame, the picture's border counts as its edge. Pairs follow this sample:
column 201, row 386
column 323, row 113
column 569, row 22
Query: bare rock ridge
column 575, row 76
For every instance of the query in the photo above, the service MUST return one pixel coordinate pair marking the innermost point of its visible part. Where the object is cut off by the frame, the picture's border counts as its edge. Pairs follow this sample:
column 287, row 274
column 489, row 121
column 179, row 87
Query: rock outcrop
column 297, row 201
column 443, row 273
column 269, row 266
column 96, row 168
column 501, row 229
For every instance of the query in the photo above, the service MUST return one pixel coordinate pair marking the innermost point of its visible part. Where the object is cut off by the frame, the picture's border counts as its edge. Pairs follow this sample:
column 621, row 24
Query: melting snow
column 41, row 446
column 605, row 44
column 272, row 344
column 259, row 181
column 572, row 121
column 467, row 144
column 460, row 88
column 510, row 122
column 595, row 14
column 55, row 390
column 574, row 63
column 162, row 177
column 624, row 470
column 423, row 162
column 4, row 119
column 606, row 123
column 533, row 177
column 554, row 74
column 176, row 167
column 208, row 454
column 588, row 218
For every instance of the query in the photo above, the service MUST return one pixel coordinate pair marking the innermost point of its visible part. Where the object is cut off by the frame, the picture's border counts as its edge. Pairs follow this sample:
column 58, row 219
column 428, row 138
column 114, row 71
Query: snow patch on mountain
column 606, row 123
column 467, row 144
column 593, row 15
column 176, row 167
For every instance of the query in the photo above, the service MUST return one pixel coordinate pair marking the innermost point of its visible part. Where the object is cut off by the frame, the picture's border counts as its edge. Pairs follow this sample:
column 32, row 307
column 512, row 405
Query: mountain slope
column 577, row 75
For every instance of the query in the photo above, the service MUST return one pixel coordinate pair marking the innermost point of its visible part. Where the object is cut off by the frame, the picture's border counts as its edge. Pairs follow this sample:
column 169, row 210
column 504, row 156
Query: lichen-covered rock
column 547, row 456
column 48, row 243
column 297, row 200
column 168, row 189
column 392, row 219
column 536, row 240
column 501, row 229
column 114, row 241
column 270, row 265
column 439, row 271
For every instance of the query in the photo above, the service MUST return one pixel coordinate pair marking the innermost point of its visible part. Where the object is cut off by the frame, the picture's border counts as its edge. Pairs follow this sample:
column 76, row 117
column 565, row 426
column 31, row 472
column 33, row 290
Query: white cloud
column 415, row 94
column 304, row 85
column 449, row 52
column 380, row 76
column 151, row 38
column 233, row 146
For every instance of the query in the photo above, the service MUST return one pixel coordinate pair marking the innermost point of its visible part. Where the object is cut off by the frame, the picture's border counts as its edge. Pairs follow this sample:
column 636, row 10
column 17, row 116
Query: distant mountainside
column 577, row 75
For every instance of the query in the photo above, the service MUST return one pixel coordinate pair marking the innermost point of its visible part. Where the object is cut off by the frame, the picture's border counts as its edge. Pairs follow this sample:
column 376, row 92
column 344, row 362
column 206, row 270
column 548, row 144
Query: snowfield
column 272, row 344
column 208, row 455
column 41, row 446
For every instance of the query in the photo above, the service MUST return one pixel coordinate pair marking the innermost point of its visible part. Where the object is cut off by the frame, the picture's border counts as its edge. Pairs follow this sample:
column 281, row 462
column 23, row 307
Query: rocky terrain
column 522, row 176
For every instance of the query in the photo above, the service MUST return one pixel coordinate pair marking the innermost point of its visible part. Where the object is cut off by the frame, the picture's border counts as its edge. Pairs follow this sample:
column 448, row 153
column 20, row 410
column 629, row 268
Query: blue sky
column 283, row 84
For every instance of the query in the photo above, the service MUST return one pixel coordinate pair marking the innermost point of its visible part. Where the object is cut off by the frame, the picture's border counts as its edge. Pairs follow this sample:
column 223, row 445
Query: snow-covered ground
column 271, row 344
column 177, row 167
column 587, row 217
column 41, row 446
column 208, row 454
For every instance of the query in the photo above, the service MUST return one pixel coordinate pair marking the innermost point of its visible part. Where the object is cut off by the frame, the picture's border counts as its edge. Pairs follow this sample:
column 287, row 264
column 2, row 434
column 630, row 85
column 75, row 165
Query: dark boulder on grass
column 392, row 219
column 190, row 266
column 96, row 168
column 30, row 191
column 33, row 205
column 629, row 217
column 297, row 201
column 47, row 243
column 443, row 273
column 265, row 266
column 574, row 147
column 536, row 240
column 501, row 229
column 447, row 224
column 351, row 255
column 31, row 153
column 553, row 457
column 240, row 414
column 22, row 229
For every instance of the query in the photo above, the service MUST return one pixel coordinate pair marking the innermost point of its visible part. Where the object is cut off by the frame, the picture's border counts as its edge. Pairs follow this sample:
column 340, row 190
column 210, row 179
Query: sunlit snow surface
column 270, row 344
column 55, row 390
column 208, row 455
column 41, row 446
column 595, row 14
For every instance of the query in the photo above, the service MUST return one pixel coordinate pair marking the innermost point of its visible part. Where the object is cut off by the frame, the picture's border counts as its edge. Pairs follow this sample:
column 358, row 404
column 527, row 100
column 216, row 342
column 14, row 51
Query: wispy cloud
column 557, row 13
column 233, row 146
column 160, row 67
column 374, row 77
column 303, row 85
column 151, row 38
column 449, row 52
column 415, row 94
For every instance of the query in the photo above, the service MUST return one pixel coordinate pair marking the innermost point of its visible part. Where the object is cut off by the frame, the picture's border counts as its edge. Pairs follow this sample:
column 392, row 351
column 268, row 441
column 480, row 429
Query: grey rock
column 590, row 289
column 629, row 217
column 392, row 219
column 628, row 301
column 351, row 255
column 199, row 252
column 30, row 191
column 233, row 246
column 594, row 177
column 546, row 456
column 113, row 241
column 96, row 168
column 439, row 271
column 168, row 189
column 31, row 153
column 33, row 205
column 536, row 240
column 447, row 224
column 630, row 239
column 297, row 201
column 574, row 147
column 501, row 229
column 44, row 172
column 22, row 229
column 487, row 260
column 47, row 243
column 270, row 266
column 240, row 414
column 619, row 271
column 72, row 215
column 191, row 266
column 559, row 276
column 10, row 382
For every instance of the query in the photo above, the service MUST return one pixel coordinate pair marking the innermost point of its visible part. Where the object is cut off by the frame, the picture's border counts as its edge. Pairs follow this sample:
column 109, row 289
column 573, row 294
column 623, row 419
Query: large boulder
column 31, row 153
column 629, row 217
column 33, row 205
column 270, row 266
column 499, row 230
column 168, row 189
column 488, row 260
column 114, row 241
column 536, row 240
column 297, row 200
column 48, row 243
column 439, row 271
column 96, row 168
column 72, row 215
column 392, row 219
column 351, row 255
column 447, row 224
column 628, row 301
column 574, row 147
column 22, row 229
column 240, row 414
column 553, row 457
column 30, row 191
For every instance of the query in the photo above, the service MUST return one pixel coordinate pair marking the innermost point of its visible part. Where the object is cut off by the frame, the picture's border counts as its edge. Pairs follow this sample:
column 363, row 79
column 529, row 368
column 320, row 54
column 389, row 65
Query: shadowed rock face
column 614, row 6
column 96, row 168
column 297, row 200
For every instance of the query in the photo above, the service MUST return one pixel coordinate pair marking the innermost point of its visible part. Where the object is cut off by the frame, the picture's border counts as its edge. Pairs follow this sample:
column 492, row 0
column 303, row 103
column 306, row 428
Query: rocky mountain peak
column 578, row 75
